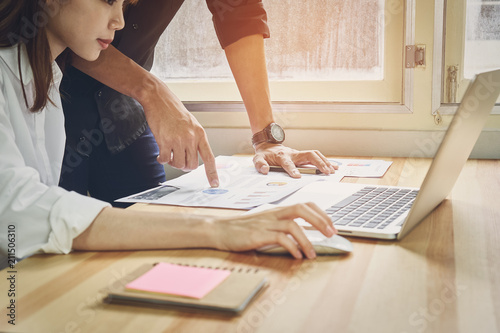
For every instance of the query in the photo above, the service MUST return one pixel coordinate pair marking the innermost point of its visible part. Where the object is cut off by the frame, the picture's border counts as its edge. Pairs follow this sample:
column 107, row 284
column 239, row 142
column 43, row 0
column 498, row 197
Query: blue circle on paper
column 215, row 191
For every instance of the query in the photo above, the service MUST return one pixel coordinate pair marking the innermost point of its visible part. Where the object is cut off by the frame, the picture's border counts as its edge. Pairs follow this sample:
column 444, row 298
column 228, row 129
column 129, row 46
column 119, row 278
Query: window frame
column 438, row 70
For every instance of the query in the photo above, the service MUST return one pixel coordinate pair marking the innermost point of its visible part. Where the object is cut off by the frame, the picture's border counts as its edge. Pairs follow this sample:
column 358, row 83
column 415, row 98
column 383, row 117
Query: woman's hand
column 248, row 232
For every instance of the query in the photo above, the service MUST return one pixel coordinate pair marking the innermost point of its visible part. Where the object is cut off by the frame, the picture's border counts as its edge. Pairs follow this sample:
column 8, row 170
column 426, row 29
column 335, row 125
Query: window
column 319, row 51
column 465, row 51
column 482, row 37
column 371, row 105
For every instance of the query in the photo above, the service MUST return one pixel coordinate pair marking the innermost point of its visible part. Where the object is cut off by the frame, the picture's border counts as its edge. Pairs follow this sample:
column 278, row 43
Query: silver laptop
column 390, row 212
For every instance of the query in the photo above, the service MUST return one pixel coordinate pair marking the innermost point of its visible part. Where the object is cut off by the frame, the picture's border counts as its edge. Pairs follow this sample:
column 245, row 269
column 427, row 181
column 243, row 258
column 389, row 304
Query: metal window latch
column 437, row 118
column 452, row 83
column 415, row 56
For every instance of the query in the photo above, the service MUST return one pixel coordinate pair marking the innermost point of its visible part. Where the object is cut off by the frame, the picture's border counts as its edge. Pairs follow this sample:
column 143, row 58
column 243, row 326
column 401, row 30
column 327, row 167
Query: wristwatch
column 272, row 133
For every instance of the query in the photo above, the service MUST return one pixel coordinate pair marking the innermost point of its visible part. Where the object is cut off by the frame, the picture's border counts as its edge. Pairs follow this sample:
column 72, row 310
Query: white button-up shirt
column 35, row 214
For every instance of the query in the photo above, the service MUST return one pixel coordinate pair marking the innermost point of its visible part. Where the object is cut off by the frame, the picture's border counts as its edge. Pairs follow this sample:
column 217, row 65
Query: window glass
column 482, row 42
column 334, row 40
column 472, row 44
column 319, row 50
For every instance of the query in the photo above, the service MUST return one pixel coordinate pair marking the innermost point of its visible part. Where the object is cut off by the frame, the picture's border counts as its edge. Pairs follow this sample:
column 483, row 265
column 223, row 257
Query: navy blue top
column 89, row 105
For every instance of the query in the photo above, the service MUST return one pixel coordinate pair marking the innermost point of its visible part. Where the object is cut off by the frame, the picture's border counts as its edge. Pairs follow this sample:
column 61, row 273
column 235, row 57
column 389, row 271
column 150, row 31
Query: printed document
column 361, row 168
column 241, row 186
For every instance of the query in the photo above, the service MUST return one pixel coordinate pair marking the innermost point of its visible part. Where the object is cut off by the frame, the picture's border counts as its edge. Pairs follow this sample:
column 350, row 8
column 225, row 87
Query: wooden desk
column 443, row 277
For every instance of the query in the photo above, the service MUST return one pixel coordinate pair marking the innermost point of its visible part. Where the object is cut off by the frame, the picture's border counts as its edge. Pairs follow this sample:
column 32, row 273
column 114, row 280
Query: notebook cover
column 178, row 280
column 233, row 294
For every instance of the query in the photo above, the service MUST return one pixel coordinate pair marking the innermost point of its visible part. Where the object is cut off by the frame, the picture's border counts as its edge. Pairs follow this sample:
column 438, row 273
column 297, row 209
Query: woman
column 45, row 217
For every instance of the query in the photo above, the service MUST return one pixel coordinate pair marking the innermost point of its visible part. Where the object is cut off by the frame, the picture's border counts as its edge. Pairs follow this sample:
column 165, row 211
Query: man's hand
column 275, row 154
column 179, row 135
column 247, row 60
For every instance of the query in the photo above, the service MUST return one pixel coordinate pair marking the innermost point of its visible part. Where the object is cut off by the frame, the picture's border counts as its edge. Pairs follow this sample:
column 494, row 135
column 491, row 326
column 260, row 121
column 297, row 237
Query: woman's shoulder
column 3, row 67
column 5, row 59
column 9, row 61
column 8, row 54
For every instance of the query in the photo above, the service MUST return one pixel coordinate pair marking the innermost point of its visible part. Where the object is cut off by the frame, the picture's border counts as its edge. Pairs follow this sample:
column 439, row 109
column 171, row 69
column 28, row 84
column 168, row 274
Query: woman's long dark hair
column 22, row 22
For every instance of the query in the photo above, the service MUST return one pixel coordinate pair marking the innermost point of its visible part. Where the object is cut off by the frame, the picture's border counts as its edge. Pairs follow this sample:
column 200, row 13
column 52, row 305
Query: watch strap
column 260, row 137
column 266, row 135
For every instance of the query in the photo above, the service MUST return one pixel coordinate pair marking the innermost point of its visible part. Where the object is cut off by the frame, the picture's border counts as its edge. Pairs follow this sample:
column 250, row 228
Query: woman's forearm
column 119, row 229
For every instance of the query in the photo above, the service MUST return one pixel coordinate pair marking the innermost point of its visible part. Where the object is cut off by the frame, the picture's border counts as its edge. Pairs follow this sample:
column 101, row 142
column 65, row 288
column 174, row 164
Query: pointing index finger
column 209, row 161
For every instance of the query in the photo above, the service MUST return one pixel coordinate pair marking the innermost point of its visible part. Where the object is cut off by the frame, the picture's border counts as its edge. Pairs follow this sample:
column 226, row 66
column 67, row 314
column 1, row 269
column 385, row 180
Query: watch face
column 277, row 133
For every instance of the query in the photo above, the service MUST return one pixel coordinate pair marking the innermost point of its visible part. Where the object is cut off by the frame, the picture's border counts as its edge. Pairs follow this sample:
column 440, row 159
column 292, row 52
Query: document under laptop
column 391, row 212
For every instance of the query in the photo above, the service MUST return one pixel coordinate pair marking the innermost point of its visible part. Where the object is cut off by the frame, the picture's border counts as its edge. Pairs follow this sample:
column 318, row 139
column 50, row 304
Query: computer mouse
column 322, row 245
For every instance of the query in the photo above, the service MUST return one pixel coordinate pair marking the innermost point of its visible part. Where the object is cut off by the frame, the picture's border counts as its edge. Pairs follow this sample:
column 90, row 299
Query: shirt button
column 135, row 26
column 99, row 94
column 82, row 148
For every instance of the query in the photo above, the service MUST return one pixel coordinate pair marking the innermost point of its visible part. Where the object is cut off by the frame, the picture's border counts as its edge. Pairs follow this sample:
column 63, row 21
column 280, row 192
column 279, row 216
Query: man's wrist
column 265, row 145
column 272, row 133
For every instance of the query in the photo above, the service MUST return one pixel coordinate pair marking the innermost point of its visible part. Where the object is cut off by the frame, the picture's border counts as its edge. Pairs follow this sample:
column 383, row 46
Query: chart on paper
column 241, row 187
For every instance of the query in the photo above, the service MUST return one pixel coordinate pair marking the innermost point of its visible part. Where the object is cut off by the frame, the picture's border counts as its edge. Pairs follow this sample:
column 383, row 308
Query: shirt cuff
column 234, row 23
column 70, row 216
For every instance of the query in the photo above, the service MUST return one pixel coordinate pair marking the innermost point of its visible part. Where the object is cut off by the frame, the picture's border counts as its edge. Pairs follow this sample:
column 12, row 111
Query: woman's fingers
column 311, row 213
column 323, row 215
column 301, row 240
column 291, row 246
column 276, row 226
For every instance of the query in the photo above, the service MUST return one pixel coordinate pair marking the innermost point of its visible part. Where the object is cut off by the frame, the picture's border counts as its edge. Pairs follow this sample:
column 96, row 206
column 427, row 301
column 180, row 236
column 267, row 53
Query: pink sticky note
column 179, row 280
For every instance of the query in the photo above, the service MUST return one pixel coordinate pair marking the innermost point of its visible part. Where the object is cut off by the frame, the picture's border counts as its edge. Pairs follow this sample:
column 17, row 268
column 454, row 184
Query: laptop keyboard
column 372, row 207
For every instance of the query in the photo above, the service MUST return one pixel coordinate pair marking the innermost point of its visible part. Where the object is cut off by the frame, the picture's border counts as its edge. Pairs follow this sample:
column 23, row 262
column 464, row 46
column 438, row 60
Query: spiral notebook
column 232, row 294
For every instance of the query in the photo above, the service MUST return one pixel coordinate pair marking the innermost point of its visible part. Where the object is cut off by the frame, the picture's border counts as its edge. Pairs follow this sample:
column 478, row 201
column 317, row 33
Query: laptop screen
column 456, row 147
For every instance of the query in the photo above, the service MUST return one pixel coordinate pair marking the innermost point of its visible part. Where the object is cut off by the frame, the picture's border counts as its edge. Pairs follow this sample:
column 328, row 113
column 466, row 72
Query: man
column 111, row 151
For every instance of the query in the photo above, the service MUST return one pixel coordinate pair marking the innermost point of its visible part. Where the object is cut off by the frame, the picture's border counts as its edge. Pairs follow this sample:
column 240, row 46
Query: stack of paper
column 242, row 187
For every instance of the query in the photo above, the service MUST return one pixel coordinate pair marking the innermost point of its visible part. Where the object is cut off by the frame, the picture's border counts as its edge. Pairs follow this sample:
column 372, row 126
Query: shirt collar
column 10, row 56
